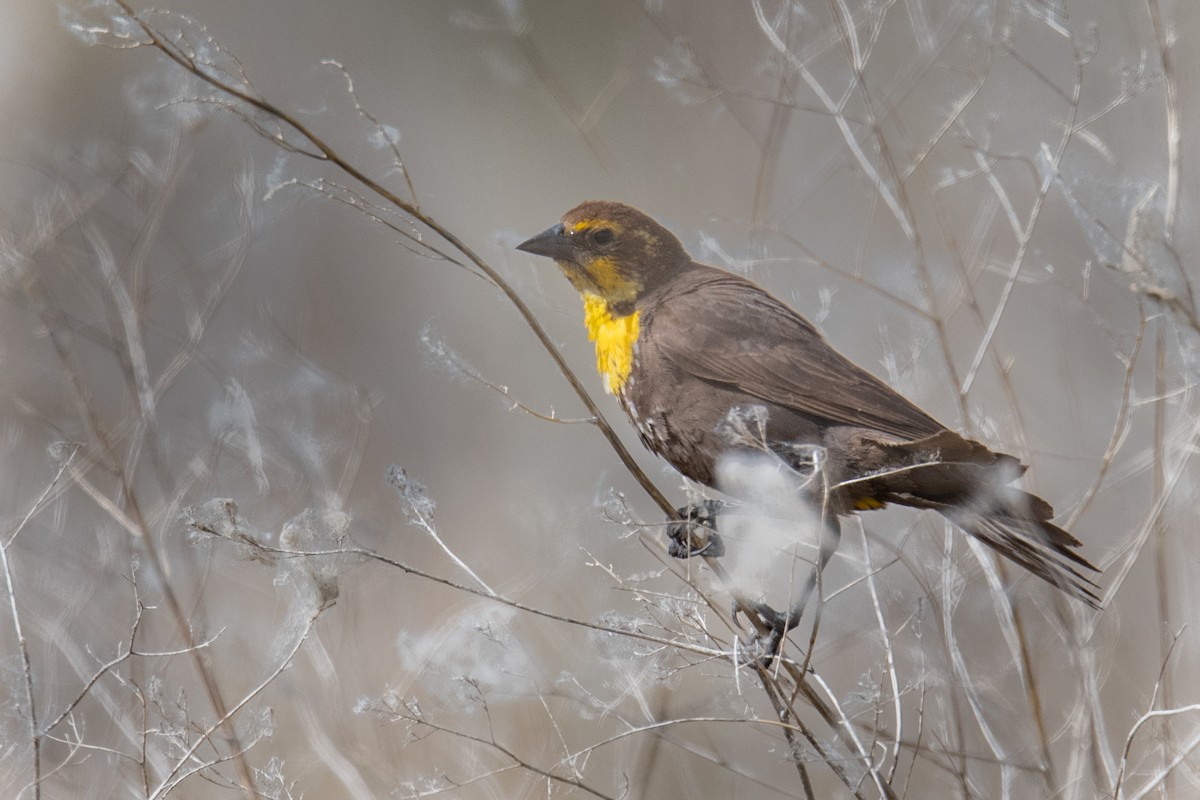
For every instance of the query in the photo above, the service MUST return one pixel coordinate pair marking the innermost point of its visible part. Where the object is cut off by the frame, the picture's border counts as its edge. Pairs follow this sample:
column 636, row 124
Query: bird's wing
column 727, row 330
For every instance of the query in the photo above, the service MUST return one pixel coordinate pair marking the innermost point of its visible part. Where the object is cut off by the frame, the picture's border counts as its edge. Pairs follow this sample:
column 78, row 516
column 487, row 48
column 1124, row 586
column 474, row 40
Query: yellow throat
column 614, row 338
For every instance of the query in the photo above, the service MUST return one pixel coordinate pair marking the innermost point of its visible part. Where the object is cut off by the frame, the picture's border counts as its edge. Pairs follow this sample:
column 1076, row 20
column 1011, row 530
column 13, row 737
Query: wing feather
column 727, row 330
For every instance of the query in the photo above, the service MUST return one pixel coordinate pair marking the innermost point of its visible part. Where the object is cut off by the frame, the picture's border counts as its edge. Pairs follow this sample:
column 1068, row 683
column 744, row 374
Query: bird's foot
column 695, row 533
column 763, row 648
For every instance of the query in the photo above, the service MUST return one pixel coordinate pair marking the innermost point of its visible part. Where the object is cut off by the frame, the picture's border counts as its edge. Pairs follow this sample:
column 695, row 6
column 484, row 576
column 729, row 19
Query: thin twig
column 22, row 645
column 177, row 774
column 1174, row 130
column 889, row 658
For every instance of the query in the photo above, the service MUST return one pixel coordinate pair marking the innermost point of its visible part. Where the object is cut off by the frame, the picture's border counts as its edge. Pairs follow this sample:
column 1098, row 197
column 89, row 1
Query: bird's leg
column 695, row 533
column 782, row 623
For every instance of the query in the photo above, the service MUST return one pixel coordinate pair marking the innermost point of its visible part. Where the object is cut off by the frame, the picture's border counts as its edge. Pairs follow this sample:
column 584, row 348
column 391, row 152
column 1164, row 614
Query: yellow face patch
column 588, row 224
column 614, row 338
column 600, row 274
column 609, row 280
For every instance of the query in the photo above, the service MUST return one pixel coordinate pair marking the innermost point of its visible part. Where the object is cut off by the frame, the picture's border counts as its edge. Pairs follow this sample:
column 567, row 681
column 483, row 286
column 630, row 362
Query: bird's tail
column 1018, row 527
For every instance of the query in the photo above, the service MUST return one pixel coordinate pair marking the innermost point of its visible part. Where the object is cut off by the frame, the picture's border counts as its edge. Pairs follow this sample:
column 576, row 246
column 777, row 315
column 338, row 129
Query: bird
column 699, row 357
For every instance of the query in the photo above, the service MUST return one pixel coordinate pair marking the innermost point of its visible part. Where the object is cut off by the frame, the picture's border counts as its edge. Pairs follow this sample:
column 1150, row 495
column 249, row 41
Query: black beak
column 551, row 243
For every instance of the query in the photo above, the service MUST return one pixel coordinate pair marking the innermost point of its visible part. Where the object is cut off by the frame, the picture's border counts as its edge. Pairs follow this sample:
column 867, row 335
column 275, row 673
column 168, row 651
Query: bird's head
column 610, row 250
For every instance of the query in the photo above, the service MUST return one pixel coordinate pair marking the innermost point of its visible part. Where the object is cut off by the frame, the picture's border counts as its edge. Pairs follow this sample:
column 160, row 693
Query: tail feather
column 1020, row 530
column 1032, row 545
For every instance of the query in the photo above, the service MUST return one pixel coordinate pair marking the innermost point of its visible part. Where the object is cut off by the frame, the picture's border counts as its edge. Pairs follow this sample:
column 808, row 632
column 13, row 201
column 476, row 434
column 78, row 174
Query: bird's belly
column 669, row 432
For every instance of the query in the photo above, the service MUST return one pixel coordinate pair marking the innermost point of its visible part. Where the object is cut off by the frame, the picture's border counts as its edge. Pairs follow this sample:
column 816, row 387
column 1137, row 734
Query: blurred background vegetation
column 989, row 204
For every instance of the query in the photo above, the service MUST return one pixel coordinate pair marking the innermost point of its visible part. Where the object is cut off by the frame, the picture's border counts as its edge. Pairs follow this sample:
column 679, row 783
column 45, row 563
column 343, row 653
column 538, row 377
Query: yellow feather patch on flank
column 614, row 338
column 868, row 504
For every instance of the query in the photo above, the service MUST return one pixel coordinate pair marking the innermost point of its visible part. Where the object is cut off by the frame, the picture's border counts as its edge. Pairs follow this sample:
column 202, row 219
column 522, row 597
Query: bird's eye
column 603, row 236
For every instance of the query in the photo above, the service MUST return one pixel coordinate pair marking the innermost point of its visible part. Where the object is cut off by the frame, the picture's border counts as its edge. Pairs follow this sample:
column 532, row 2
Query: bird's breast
column 615, row 338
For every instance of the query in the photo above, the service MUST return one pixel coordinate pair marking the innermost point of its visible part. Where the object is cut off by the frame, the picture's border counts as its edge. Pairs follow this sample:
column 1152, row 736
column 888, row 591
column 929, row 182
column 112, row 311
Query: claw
column 767, row 646
column 695, row 534
column 735, row 611
column 760, row 650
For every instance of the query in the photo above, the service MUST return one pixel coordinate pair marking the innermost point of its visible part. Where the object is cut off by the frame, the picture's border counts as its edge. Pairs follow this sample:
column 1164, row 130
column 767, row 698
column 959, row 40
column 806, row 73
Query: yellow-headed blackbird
column 687, row 347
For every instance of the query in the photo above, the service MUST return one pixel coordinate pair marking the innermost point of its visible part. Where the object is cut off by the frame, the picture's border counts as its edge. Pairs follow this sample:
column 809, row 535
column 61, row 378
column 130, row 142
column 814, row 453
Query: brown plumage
column 687, row 347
